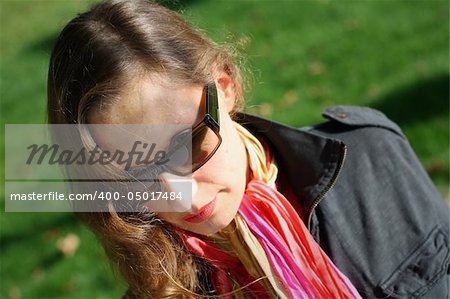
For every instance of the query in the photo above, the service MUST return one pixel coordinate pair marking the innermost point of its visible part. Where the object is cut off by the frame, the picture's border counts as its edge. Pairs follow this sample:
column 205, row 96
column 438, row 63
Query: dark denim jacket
column 366, row 199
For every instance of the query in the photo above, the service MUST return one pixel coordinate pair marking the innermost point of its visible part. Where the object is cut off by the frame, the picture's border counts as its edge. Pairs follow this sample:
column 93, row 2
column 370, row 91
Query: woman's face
column 218, row 186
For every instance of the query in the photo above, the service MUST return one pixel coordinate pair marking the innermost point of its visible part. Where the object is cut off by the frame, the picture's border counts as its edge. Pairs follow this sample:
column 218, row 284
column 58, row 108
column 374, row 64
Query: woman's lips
column 202, row 214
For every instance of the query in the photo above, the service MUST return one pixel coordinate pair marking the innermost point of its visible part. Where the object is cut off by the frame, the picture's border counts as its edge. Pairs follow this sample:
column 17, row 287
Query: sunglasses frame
column 210, row 120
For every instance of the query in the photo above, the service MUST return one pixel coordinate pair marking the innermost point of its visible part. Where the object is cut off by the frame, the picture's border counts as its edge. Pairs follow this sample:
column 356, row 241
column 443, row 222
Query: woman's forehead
column 148, row 112
column 158, row 101
column 151, row 111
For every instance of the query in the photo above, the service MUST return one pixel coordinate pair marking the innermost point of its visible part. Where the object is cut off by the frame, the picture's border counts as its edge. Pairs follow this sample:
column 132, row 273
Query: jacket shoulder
column 343, row 118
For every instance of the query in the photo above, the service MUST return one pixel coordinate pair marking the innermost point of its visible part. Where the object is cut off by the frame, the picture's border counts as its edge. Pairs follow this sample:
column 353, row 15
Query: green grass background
column 303, row 56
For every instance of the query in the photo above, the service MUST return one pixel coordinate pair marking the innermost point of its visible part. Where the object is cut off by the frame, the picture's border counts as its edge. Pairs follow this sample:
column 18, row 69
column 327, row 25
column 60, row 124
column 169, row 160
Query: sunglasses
column 189, row 149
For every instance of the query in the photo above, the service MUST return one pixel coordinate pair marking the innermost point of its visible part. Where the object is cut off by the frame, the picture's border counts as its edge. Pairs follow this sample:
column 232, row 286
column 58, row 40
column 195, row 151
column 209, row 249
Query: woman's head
column 136, row 62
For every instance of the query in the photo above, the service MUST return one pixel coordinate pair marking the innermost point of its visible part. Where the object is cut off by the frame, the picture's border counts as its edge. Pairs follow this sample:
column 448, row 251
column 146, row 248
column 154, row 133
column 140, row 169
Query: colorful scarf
column 268, row 240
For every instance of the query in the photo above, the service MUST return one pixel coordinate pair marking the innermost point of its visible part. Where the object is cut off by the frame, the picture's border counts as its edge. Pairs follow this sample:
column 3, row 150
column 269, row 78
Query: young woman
column 339, row 210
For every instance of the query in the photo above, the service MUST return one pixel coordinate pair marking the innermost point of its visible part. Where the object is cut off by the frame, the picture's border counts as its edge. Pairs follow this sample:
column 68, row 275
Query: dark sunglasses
column 199, row 143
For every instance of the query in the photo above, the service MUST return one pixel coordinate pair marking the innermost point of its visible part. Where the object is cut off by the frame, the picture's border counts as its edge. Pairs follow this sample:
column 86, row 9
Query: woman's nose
column 179, row 191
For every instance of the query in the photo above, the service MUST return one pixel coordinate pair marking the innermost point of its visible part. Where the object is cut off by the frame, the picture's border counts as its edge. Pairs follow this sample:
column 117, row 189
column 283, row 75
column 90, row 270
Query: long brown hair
column 96, row 54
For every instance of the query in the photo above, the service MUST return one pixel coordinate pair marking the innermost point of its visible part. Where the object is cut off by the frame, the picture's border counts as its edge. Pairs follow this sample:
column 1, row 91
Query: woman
column 340, row 210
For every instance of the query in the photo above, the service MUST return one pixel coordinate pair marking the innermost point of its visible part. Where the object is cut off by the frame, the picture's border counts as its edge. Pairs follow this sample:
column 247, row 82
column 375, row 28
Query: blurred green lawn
column 303, row 56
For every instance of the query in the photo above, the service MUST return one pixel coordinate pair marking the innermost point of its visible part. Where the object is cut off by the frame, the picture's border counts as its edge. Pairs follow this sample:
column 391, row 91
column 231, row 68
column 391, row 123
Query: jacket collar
column 308, row 162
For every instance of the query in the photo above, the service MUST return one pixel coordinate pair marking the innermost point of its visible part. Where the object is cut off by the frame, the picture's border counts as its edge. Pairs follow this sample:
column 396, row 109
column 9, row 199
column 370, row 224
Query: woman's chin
column 212, row 226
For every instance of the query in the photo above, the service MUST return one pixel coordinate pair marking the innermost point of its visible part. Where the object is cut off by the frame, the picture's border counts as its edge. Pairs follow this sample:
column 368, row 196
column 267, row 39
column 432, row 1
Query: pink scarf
column 302, row 267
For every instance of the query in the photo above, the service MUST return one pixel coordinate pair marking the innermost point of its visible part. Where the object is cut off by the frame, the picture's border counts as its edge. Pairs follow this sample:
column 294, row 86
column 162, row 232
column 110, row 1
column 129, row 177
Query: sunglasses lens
column 204, row 144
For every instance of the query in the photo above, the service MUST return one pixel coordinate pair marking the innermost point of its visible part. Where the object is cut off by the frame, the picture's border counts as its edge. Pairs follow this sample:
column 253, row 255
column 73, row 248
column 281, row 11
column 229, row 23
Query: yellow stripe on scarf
column 257, row 157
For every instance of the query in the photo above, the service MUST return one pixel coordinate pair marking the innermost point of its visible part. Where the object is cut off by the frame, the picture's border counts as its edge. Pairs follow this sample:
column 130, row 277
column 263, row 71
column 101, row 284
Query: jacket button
column 341, row 114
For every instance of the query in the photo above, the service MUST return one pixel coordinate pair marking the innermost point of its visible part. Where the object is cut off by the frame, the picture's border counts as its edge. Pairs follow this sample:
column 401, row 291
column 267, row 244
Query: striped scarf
column 267, row 248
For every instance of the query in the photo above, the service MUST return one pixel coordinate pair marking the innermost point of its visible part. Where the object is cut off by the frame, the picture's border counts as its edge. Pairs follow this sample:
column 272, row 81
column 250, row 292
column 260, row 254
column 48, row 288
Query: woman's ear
column 225, row 86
